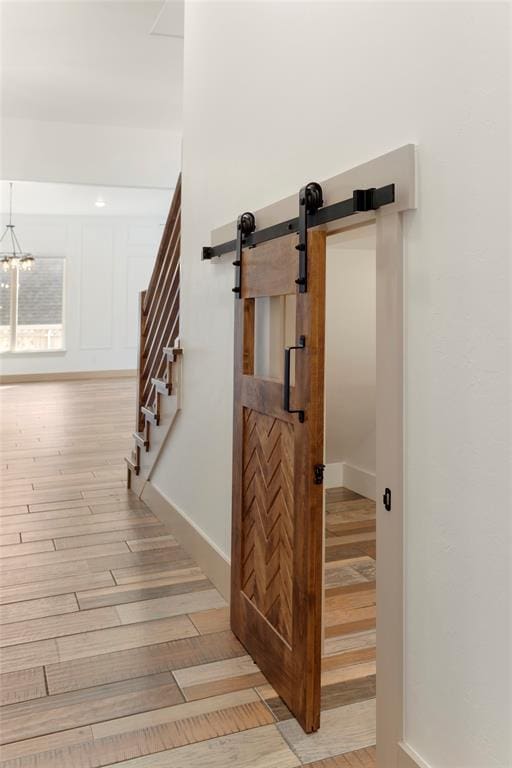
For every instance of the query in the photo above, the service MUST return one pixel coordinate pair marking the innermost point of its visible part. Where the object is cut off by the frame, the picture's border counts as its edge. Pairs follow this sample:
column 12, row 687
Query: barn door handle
column 286, row 387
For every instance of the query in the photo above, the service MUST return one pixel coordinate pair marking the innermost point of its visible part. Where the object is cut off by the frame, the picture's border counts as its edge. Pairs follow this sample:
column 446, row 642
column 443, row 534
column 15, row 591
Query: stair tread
column 172, row 352
column 150, row 414
column 141, row 438
column 168, row 350
column 134, row 467
column 162, row 386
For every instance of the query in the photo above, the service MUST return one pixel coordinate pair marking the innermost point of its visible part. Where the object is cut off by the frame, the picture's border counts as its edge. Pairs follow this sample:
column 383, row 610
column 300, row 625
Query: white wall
column 350, row 355
column 277, row 94
column 108, row 261
column 34, row 150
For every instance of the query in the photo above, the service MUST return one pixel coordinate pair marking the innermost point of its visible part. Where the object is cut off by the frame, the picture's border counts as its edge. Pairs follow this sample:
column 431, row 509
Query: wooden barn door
column 277, row 537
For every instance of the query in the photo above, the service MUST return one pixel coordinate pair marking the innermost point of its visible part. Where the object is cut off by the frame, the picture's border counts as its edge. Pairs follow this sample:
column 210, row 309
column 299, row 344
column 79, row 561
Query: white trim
column 13, row 318
column 339, row 473
column 408, row 758
column 108, row 229
column 29, row 352
column 21, row 378
column 196, row 542
column 398, row 167
column 359, row 480
column 13, row 314
column 390, row 474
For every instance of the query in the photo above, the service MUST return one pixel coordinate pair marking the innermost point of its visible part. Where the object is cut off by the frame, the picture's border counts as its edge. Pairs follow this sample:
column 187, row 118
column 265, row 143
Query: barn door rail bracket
column 362, row 200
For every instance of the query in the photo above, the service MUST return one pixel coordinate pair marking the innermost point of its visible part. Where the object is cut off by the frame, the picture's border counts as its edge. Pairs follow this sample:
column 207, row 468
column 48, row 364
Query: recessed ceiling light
column 100, row 203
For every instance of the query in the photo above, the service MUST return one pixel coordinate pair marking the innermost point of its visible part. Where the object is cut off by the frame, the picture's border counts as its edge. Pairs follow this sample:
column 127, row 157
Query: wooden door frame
column 396, row 167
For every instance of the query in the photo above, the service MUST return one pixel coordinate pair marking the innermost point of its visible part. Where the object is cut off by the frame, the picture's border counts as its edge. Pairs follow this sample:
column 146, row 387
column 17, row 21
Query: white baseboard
column 21, row 378
column 194, row 541
column 408, row 758
column 355, row 479
column 136, row 483
column 201, row 548
column 359, row 481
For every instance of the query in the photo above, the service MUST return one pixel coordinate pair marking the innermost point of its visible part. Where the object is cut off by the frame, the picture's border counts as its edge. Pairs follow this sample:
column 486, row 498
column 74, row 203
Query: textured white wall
column 350, row 356
column 108, row 261
column 277, row 94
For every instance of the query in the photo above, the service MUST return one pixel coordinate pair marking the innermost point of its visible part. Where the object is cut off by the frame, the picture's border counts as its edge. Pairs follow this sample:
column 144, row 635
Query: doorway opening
column 278, row 557
column 349, row 616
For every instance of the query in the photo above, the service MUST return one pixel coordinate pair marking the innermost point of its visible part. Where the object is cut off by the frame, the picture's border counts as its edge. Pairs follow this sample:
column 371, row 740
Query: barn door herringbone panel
column 267, row 518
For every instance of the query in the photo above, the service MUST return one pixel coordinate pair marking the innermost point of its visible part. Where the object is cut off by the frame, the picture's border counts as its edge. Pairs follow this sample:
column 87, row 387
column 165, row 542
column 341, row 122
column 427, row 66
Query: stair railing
column 159, row 309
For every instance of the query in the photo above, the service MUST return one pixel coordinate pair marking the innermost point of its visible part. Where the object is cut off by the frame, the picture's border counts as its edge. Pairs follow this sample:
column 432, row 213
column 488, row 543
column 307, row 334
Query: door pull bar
column 286, row 386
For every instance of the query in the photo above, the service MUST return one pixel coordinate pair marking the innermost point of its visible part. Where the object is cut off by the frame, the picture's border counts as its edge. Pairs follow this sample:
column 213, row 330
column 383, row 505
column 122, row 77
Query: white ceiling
column 90, row 61
column 79, row 200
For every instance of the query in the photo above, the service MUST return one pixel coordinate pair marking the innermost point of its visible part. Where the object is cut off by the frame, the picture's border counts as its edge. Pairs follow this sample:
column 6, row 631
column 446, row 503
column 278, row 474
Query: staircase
column 159, row 358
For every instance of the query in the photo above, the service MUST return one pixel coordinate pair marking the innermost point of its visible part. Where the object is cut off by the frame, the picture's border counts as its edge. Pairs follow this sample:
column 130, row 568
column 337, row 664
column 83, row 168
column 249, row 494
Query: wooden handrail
column 159, row 309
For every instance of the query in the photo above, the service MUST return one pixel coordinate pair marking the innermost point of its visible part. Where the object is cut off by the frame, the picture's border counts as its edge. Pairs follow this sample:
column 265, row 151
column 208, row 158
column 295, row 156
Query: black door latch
column 319, row 474
column 386, row 499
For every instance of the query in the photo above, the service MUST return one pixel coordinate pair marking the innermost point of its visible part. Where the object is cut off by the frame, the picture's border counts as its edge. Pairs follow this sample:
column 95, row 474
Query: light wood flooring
column 115, row 648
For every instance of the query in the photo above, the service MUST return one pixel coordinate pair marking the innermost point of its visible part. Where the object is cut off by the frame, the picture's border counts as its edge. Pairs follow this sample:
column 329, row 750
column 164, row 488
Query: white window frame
column 13, row 318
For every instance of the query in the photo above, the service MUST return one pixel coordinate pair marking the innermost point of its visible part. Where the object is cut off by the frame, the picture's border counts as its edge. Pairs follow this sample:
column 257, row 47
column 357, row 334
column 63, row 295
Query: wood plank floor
column 115, row 648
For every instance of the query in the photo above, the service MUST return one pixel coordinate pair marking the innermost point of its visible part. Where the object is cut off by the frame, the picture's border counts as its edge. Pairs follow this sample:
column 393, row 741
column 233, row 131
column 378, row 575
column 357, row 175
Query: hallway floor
column 115, row 648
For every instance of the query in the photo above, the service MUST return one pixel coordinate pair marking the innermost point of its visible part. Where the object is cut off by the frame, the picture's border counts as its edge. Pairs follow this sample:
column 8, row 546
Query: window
column 31, row 307
column 274, row 328
column 5, row 312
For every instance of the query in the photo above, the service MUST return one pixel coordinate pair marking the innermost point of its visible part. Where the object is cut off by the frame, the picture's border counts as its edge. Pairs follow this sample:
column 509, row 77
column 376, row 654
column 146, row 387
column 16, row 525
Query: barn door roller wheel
column 245, row 225
column 314, row 197
column 310, row 200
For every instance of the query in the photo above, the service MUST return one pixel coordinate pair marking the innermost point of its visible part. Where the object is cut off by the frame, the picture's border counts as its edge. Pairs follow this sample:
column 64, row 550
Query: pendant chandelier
column 11, row 259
